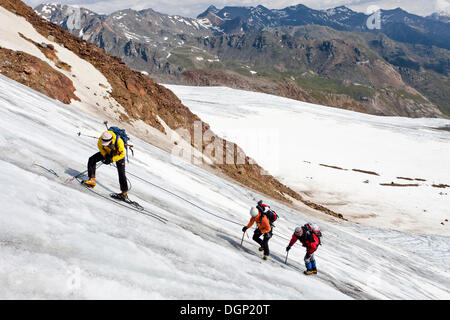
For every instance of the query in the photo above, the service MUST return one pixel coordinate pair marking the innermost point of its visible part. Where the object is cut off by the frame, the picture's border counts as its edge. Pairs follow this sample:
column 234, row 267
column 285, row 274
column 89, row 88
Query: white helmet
column 107, row 138
column 298, row 231
column 253, row 212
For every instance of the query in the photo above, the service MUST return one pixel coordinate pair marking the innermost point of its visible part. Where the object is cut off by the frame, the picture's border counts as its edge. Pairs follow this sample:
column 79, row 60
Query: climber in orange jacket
column 264, row 229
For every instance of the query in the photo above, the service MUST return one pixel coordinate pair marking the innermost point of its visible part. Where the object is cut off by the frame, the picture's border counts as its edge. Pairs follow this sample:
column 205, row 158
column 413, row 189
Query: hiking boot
column 90, row 183
column 308, row 272
column 314, row 270
column 265, row 257
column 120, row 196
column 261, row 249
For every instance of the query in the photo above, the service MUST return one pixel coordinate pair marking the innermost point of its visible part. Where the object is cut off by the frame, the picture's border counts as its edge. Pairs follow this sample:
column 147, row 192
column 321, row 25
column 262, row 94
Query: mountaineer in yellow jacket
column 112, row 149
column 264, row 229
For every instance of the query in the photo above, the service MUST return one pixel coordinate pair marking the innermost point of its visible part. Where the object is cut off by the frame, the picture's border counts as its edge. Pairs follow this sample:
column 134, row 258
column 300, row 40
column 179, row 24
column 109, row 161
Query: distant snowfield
column 300, row 143
column 60, row 241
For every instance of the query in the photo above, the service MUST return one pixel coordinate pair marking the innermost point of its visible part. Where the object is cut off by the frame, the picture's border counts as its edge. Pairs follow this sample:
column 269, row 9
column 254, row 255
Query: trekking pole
column 85, row 135
column 106, row 124
column 48, row 170
column 243, row 237
column 285, row 261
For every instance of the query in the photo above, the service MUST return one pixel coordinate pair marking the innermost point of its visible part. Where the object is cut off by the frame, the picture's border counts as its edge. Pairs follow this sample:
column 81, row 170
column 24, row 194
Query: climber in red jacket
column 309, row 235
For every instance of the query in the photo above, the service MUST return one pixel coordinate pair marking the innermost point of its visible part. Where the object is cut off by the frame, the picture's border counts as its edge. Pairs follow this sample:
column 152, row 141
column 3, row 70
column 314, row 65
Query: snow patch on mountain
column 91, row 86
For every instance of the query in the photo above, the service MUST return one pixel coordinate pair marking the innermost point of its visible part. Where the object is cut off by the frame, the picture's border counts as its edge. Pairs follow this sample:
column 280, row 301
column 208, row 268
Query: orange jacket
column 262, row 223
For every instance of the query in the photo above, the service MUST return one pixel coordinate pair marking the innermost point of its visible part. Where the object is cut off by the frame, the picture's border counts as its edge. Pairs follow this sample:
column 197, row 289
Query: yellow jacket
column 118, row 154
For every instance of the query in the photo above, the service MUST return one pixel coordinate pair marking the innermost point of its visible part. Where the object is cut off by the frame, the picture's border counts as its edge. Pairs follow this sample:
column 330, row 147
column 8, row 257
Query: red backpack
column 271, row 215
column 314, row 228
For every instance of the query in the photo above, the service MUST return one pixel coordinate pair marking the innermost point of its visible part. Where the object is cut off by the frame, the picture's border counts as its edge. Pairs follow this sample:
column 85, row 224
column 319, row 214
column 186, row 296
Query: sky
column 191, row 8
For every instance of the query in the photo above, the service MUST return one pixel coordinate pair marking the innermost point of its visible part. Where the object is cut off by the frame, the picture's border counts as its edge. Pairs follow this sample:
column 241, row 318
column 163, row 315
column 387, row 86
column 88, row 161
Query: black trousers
column 92, row 166
column 264, row 242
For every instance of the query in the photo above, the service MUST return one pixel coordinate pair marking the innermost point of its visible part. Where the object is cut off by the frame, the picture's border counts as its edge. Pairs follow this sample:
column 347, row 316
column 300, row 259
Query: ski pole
column 285, row 261
column 243, row 237
column 85, row 135
column 48, row 170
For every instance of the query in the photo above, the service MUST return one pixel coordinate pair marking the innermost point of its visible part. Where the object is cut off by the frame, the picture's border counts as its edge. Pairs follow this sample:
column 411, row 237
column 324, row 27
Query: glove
column 244, row 229
column 288, row 248
column 108, row 159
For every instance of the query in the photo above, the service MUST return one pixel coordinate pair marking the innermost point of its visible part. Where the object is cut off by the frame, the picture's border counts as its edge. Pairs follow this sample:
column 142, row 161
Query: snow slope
column 61, row 241
column 299, row 143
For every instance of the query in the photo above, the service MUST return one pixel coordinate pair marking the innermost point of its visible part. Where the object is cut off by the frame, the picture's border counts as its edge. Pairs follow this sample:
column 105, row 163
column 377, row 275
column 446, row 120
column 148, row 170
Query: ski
column 119, row 197
column 125, row 204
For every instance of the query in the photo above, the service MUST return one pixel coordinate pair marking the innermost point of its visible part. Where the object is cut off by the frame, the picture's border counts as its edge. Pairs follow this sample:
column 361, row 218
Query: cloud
column 191, row 8
column 412, row 6
column 442, row 6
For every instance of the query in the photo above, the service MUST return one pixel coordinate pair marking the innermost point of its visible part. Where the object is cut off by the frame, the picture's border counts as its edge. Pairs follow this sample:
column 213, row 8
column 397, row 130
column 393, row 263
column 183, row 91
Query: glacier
column 60, row 241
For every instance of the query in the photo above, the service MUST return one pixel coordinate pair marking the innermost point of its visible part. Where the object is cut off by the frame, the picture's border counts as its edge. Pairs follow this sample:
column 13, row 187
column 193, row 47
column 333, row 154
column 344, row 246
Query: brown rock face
column 36, row 74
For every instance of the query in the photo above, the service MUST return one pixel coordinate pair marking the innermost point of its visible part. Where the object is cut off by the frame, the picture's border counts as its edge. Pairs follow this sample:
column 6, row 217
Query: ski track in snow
column 59, row 241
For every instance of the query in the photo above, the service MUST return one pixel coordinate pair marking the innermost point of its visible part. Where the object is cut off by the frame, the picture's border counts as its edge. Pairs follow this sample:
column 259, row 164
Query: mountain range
column 329, row 57
column 397, row 24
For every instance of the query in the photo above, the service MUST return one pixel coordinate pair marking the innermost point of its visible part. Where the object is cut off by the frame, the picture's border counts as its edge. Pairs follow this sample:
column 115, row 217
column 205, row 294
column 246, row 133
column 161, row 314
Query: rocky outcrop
column 36, row 74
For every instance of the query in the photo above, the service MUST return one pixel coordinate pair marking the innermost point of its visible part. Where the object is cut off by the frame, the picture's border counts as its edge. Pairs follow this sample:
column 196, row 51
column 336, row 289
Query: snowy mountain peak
column 442, row 16
column 340, row 9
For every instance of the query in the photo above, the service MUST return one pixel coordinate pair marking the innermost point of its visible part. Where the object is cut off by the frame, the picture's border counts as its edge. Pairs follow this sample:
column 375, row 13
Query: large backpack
column 265, row 210
column 122, row 134
column 314, row 228
column 271, row 215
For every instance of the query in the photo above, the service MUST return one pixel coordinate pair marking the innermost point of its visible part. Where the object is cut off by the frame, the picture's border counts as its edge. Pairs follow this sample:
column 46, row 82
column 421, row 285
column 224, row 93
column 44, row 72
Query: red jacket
column 308, row 240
